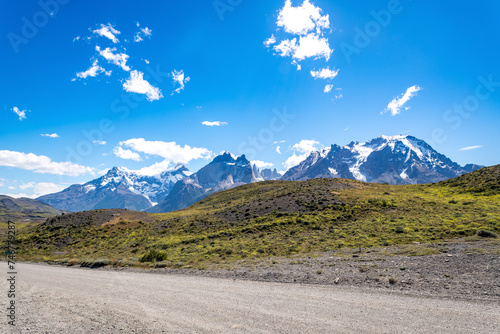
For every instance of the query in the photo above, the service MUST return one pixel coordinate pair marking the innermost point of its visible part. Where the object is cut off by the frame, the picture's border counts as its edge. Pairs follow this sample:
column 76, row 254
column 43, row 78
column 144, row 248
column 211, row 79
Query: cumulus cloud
column 179, row 80
column 301, row 151
column 216, row 123
column 93, row 71
column 170, row 151
column 261, row 164
column 20, row 113
column 324, row 73
column 395, row 105
column 119, row 59
column 51, row 135
column 126, row 154
column 108, row 31
column 41, row 164
column 137, row 84
column 468, row 148
column 307, row 25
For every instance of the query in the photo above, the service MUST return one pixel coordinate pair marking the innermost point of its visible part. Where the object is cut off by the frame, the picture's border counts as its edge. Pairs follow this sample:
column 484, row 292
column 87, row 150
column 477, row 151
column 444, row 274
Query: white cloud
column 92, row 71
column 44, row 188
column 126, row 154
column 468, row 148
column 146, row 32
column 306, row 23
column 41, row 164
column 20, row 113
column 39, row 189
column 179, row 79
column 119, row 59
column 261, row 164
column 155, row 169
column 270, row 41
column 99, row 142
column 136, row 84
column 170, row 151
column 328, row 88
column 312, row 46
column 52, row 135
column 302, row 19
column 28, row 185
column 302, row 151
column 306, row 146
column 324, row 73
column 216, row 123
column 395, row 105
column 278, row 149
column 108, row 31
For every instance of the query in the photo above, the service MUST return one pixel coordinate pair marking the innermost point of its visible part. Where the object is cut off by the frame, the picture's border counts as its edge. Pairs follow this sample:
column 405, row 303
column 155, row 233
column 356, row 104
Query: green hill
column 24, row 210
column 275, row 218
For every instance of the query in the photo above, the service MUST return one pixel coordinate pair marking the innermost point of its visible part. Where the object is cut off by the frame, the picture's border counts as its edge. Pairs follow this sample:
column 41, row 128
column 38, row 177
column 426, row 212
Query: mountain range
column 386, row 159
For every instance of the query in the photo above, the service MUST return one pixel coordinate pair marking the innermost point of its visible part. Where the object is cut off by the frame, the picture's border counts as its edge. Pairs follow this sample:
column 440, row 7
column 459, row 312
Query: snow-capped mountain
column 390, row 159
column 224, row 172
column 118, row 188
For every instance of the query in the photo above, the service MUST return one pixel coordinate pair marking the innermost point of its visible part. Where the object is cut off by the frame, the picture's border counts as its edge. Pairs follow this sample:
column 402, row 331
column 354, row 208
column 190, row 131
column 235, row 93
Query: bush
column 486, row 234
column 399, row 229
column 153, row 256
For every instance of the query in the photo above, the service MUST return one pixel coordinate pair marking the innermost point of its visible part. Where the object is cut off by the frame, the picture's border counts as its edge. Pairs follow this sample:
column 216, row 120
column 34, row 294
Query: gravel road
column 55, row 299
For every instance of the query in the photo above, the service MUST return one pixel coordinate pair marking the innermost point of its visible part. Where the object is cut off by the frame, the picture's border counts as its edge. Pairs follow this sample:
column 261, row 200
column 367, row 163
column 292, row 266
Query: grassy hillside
column 23, row 211
column 275, row 218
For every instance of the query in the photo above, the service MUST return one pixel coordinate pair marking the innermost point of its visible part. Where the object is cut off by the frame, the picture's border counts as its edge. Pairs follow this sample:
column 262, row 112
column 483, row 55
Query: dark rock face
column 386, row 159
column 270, row 174
column 224, row 172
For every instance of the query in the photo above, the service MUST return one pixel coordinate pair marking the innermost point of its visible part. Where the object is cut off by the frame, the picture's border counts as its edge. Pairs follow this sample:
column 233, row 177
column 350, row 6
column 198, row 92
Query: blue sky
column 88, row 85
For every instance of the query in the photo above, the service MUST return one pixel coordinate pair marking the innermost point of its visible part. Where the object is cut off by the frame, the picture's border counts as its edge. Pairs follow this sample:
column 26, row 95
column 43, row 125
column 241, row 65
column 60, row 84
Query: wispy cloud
column 468, row 148
column 20, row 113
column 328, row 88
column 395, row 105
column 93, row 71
column 99, row 142
column 215, row 123
column 108, row 31
column 143, row 32
column 119, row 59
column 41, row 164
column 137, row 84
column 179, row 79
column 50, row 135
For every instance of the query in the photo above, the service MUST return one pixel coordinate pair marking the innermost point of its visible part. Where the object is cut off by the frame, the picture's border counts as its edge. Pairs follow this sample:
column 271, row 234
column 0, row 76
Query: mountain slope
column 119, row 188
column 386, row 159
column 224, row 172
column 17, row 209
column 276, row 218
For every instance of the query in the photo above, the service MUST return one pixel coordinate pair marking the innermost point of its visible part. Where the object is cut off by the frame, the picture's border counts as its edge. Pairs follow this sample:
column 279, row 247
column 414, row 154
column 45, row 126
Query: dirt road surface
column 53, row 299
